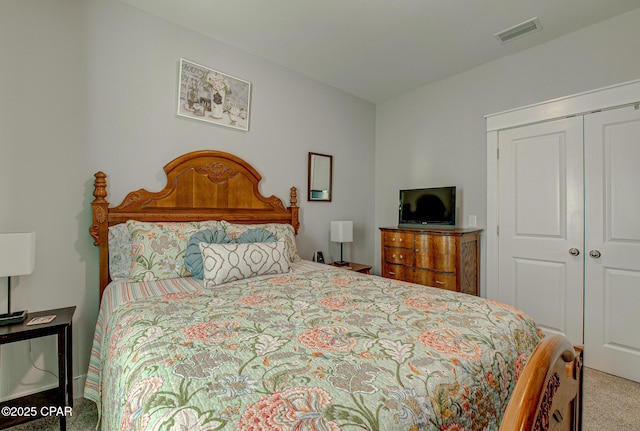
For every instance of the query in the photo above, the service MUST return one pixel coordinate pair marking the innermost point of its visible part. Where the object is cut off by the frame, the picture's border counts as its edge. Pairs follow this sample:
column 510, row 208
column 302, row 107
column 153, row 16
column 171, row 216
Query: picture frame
column 211, row 96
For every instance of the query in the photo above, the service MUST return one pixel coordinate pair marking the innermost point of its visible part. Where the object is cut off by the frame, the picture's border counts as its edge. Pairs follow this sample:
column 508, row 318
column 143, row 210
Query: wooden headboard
column 202, row 185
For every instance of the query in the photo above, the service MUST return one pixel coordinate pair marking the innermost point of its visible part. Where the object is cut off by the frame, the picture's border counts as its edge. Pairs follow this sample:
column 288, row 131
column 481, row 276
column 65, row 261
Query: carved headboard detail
column 201, row 185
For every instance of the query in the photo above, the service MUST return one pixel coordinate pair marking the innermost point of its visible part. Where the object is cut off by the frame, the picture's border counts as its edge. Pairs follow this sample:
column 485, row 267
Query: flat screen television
column 434, row 206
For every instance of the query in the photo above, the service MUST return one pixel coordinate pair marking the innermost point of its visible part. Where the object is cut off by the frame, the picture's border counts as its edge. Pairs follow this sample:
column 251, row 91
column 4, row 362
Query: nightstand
column 53, row 402
column 357, row 267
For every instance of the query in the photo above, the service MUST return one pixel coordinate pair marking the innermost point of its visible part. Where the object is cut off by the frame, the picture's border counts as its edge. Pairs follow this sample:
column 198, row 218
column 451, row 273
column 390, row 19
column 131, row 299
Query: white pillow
column 223, row 263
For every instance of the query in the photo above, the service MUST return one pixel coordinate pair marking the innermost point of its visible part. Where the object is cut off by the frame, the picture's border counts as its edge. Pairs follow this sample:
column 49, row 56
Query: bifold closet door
column 541, row 212
column 612, row 240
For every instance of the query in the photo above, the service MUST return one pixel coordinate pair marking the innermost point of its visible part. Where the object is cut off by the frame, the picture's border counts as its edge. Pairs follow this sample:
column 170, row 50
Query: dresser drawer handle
column 401, row 256
column 439, row 282
column 392, row 273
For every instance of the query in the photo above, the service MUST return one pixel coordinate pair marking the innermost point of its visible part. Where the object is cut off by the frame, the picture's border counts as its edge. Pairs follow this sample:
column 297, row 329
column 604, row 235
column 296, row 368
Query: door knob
column 594, row 254
column 574, row 251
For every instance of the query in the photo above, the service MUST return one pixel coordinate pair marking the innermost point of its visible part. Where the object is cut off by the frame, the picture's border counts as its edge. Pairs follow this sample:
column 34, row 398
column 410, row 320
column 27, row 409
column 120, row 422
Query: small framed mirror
column 320, row 177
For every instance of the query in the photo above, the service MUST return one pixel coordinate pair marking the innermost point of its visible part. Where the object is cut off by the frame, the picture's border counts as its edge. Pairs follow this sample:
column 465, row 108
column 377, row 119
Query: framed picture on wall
column 208, row 95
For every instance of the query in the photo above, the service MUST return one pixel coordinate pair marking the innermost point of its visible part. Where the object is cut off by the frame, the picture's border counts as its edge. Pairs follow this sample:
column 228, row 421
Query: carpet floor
column 610, row 404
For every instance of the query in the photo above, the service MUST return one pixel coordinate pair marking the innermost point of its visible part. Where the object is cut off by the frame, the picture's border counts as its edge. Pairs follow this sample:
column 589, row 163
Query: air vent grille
column 519, row 30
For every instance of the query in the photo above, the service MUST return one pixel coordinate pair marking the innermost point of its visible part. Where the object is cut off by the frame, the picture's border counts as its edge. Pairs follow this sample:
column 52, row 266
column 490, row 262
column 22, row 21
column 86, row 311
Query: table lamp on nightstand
column 341, row 231
column 17, row 257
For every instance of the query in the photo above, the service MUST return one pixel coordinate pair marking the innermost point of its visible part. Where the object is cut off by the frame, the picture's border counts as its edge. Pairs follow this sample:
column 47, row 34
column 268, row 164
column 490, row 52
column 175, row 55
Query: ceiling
column 378, row 49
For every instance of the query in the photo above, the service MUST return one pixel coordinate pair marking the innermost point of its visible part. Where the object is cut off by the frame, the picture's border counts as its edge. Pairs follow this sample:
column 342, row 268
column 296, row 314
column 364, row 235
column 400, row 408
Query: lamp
column 17, row 257
column 341, row 231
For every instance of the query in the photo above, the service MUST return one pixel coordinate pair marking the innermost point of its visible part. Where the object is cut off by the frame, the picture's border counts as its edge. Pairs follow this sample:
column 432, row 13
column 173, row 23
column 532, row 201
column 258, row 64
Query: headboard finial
column 100, row 187
column 293, row 200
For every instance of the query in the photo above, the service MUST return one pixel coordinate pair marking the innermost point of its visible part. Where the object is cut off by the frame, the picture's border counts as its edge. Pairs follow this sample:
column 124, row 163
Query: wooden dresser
column 445, row 258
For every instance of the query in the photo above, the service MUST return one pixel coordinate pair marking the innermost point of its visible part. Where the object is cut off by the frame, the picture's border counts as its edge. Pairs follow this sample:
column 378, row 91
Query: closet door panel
column 622, row 154
column 620, row 300
column 612, row 236
column 542, row 286
column 540, row 223
column 539, row 185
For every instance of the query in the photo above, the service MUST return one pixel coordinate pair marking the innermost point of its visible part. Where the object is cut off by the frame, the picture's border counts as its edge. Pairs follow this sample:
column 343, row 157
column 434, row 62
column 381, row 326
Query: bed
column 251, row 337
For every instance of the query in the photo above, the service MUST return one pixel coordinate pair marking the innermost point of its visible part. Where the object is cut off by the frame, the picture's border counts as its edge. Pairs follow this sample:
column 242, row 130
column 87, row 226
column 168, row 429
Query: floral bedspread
column 323, row 350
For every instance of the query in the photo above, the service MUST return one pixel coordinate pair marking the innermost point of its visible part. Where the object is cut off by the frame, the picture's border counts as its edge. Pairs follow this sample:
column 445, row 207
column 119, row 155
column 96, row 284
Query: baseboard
column 78, row 389
column 78, row 386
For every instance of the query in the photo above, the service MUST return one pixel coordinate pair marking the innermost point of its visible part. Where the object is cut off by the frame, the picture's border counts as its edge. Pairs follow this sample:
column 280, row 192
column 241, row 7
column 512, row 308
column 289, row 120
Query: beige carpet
column 610, row 404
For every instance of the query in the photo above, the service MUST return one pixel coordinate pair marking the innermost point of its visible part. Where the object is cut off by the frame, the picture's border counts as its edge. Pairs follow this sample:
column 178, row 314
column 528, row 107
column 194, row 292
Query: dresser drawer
column 397, row 272
column 401, row 256
column 435, row 279
column 397, row 239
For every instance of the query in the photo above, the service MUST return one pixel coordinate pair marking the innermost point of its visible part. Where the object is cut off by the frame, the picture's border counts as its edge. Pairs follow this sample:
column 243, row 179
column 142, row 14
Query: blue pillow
column 193, row 257
column 256, row 235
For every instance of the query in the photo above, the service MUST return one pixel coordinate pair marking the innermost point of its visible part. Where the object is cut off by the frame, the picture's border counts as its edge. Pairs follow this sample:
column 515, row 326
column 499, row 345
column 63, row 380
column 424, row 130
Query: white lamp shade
column 341, row 231
column 17, row 253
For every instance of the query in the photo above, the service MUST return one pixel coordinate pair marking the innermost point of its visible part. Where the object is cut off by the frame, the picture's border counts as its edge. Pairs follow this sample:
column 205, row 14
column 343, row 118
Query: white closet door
column 612, row 263
column 541, row 223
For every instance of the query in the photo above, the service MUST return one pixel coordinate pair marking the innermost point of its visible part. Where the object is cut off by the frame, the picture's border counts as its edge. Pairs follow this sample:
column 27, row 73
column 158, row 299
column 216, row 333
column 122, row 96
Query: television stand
column 443, row 257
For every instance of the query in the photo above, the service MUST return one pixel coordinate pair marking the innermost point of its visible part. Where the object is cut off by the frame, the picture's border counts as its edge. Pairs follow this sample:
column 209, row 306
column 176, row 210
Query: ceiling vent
column 529, row 26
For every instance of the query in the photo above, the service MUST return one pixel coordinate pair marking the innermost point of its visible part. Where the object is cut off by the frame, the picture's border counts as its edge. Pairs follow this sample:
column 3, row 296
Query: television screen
column 432, row 206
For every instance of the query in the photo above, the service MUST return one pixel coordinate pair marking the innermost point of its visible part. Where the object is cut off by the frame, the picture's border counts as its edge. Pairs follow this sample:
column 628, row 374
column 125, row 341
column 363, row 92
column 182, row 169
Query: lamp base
column 15, row 317
column 341, row 263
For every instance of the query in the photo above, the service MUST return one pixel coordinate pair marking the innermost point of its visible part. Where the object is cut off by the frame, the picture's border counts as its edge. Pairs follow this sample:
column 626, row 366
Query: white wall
column 92, row 85
column 43, row 177
column 435, row 135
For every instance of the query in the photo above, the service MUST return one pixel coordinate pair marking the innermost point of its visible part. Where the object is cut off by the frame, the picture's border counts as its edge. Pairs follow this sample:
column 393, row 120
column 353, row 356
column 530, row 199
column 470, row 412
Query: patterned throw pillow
column 158, row 249
column 193, row 256
column 119, row 252
column 281, row 231
column 228, row 262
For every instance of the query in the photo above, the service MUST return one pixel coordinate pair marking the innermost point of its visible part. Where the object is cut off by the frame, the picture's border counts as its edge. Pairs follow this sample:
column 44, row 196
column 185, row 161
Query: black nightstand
column 43, row 403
